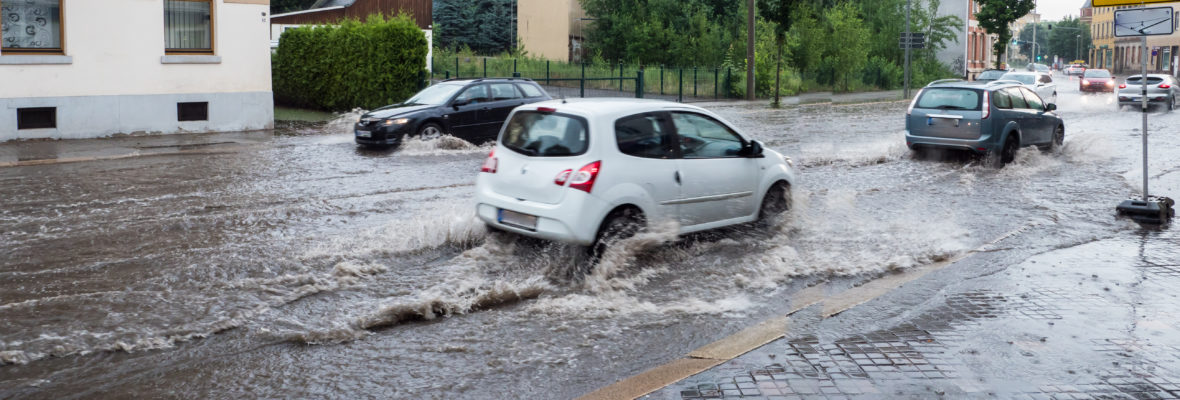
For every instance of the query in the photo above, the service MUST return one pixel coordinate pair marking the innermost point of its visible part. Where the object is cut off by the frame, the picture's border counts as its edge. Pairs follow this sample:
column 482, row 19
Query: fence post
column 546, row 72
column 661, row 79
column 694, row 81
column 515, row 73
column 728, row 81
column 716, row 81
column 582, row 82
column 448, row 74
column 457, row 67
column 421, row 80
column 680, row 87
column 639, row 84
column 485, row 67
column 620, row 77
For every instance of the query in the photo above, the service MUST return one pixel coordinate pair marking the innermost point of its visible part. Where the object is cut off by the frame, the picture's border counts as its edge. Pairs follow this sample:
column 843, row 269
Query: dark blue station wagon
column 993, row 119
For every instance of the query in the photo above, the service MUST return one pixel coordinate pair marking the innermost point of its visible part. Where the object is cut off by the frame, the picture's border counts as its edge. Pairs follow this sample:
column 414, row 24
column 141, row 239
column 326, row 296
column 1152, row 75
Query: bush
column 356, row 64
column 882, row 73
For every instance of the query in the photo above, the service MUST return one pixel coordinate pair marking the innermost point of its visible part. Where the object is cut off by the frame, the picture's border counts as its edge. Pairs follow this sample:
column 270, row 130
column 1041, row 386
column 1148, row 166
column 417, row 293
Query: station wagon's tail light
column 490, row 164
column 987, row 104
column 584, row 179
column 563, row 177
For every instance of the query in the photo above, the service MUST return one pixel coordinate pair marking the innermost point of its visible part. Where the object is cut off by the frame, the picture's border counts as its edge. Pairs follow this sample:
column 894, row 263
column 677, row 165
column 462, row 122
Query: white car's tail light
column 490, row 164
column 987, row 104
column 563, row 177
column 584, row 179
column 1165, row 86
column 1123, row 86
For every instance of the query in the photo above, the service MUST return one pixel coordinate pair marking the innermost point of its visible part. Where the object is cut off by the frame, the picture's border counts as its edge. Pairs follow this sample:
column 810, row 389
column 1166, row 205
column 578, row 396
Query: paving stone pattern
column 961, row 346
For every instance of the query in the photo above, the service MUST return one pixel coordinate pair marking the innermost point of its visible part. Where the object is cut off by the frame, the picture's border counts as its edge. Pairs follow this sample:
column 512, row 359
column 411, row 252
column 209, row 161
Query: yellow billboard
column 1111, row 3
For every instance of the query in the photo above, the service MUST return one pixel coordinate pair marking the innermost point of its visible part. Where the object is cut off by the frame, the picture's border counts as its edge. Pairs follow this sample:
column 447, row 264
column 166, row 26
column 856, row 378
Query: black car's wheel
column 430, row 130
column 617, row 226
column 776, row 201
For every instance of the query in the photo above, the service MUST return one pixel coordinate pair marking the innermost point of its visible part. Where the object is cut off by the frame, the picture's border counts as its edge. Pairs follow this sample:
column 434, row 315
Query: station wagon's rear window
column 538, row 134
column 949, row 99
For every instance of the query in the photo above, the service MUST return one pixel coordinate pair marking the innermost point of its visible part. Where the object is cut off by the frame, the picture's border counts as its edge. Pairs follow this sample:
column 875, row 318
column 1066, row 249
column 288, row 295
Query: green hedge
column 355, row 64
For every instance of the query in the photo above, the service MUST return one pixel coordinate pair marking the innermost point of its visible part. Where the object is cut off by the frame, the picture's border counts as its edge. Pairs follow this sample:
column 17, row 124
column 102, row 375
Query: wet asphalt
column 298, row 265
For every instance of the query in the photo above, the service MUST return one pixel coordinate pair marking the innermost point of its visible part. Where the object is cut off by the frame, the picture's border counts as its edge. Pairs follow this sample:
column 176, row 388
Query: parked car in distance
column 993, row 119
column 1035, row 67
column 1162, row 89
column 589, row 171
column 989, row 75
column 1096, row 80
column 1074, row 70
column 1039, row 82
column 469, row 109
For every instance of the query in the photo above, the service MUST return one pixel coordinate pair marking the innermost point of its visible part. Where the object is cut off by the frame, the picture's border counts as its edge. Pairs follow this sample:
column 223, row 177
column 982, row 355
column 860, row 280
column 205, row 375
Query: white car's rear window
column 539, row 134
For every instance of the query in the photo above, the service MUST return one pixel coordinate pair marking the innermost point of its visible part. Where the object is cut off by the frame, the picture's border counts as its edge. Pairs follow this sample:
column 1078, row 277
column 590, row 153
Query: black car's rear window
column 538, row 134
column 1096, row 73
column 949, row 99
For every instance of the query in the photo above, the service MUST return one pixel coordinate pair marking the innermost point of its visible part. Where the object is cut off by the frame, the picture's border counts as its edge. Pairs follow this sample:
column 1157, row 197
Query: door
column 1046, row 88
column 504, row 97
column 464, row 114
column 717, row 183
column 1021, row 113
column 1037, row 120
column 649, row 160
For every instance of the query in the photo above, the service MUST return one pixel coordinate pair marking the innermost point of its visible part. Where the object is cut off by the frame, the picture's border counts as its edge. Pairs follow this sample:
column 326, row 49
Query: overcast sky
column 1055, row 10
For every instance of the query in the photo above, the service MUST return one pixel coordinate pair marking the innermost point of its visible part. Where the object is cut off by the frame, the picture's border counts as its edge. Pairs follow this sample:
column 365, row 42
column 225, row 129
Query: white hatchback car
column 589, row 170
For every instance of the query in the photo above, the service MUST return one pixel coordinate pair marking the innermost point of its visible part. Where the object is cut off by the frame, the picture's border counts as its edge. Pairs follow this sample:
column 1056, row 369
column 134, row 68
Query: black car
column 470, row 109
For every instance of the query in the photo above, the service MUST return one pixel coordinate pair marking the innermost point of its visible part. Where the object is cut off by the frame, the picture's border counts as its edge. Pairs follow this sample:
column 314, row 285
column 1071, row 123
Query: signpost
column 1143, row 22
column 916, row 40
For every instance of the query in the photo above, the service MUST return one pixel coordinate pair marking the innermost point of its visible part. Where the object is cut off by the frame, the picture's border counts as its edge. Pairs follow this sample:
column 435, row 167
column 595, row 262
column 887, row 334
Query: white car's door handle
column 677, row 177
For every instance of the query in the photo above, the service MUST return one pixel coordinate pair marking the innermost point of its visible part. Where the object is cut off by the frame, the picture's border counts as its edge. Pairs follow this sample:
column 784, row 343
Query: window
column 538, row 134
column 1034, row 101
column 31, row 26
column 949, row 99
column 474, row 94
column 530, row 90
column 1001, row 99
column 642, row 136
column 1017, row 98
column 192, row 111
column 188, row 26
column 36, row 118
column 703, row 137
column 504, row 91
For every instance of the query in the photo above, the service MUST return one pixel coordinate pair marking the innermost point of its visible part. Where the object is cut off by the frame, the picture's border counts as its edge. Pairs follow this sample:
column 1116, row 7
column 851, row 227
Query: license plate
column 364, row 134
column 519, row 220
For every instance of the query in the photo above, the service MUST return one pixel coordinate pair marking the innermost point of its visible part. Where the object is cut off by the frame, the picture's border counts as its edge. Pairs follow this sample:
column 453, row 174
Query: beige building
column 1124, row 55
column 551, row 29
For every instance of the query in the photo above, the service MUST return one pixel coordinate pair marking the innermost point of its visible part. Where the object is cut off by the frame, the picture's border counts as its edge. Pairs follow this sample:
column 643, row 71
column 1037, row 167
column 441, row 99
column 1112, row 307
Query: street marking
column 653, row 379
column 742, row 342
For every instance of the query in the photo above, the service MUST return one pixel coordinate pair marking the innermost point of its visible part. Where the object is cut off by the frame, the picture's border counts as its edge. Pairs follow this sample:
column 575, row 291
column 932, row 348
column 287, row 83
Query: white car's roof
column 610, row 107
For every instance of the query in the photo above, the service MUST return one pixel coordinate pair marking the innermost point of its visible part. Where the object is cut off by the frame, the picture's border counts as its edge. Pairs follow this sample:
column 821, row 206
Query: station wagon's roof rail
column 942, row 81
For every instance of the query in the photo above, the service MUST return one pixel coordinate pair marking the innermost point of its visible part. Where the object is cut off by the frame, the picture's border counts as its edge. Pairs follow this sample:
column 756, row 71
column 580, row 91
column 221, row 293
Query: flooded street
column 301, row 266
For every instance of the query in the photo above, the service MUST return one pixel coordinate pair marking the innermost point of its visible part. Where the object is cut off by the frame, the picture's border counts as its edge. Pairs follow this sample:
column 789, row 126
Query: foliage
column 667, row 32
column 882, row 73
column 484, row 26
column 997, row 16
column 850, row 40
column 283, row 6
column 355, row 64
column 1025, row 45
column 1064, row 40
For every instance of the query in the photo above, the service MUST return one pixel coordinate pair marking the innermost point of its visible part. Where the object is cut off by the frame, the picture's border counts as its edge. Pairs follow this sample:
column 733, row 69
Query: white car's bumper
column 573, row 220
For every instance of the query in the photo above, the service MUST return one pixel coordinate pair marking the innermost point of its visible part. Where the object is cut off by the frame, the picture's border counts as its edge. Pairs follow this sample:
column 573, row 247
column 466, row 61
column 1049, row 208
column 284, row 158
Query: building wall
column 120, row 81
column 1102, row 32
column 955, row 54
column 1126, row 53
column 361, row 9
column 545, row 26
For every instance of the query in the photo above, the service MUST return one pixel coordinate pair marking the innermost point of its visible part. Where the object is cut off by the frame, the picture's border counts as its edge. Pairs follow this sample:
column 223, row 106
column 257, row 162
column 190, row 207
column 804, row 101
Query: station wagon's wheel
column 1008, row 154
column 776, row 201
column 429, row 130
column 617, row 226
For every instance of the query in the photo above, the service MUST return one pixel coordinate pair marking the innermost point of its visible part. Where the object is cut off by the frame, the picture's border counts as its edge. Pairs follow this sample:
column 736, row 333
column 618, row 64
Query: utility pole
column 907, row 48
column 1036, row 21
column 750, row 50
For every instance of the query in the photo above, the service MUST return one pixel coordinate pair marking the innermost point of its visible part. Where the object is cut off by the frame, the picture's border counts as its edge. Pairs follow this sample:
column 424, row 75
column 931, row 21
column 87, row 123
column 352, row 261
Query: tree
column 282, row 6
column 484, row 26
column 997, row 16
column 1069, row 39
column 1025, row 40
column 850, row 41
column 780, row 13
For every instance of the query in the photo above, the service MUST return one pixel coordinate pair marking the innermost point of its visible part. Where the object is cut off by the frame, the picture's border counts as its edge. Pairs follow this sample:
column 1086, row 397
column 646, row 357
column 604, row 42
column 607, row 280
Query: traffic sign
column 1109, row 3
column 916, row 40
column 1143, row 22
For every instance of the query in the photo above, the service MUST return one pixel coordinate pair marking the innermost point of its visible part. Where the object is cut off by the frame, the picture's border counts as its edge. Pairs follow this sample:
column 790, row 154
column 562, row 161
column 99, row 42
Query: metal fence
column 597, row 80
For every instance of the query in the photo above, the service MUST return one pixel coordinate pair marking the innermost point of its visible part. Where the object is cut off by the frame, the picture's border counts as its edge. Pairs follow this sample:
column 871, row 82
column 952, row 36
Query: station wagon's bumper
column 980, row 145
